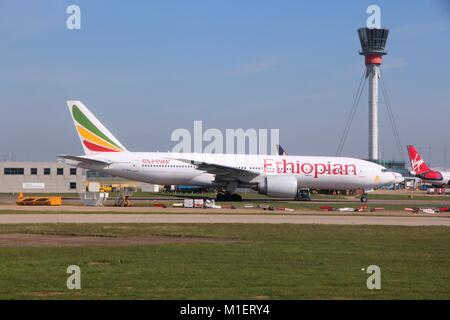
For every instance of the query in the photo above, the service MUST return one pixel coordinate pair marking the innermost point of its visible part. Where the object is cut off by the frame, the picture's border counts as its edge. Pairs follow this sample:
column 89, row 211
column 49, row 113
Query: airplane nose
column 398, row 178
column 392, row 178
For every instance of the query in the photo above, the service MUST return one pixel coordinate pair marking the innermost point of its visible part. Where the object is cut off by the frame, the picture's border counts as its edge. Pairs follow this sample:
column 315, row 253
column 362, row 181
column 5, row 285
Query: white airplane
column 420, row 169
column 272, row 175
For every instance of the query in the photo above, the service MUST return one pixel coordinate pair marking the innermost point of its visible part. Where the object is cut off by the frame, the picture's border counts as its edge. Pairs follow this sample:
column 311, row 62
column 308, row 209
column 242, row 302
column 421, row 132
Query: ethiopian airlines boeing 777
column 273, row 175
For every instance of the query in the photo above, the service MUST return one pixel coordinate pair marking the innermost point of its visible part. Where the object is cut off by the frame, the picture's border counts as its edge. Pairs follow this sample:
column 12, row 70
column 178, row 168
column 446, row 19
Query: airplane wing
column 222, row 173
column 83, row 159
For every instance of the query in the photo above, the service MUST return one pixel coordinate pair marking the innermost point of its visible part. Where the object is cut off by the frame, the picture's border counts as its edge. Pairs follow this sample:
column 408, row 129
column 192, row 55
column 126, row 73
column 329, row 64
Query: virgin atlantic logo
column 416, row 163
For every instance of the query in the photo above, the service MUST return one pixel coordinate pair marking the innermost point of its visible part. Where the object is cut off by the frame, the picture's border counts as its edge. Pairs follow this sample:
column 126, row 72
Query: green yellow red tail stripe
column 95, row 140
column 92, row 136
column 95, row 147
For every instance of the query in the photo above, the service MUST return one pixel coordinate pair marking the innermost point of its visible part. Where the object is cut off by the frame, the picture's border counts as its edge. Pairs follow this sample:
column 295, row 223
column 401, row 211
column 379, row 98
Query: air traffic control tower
column 373, row 42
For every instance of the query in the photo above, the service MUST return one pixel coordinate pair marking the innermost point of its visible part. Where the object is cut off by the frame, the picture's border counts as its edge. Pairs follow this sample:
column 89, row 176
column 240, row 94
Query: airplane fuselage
column 310, row 172
column 445, row 181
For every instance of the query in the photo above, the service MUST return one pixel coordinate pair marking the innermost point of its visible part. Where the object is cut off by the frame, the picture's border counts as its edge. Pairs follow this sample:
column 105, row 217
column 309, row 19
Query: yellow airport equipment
column 105, row 188
column 39, row 201
column 123, row 197
column 123, row 202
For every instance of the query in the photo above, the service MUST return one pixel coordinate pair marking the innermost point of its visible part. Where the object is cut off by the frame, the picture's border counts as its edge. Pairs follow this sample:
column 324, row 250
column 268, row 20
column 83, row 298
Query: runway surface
column 221, row 218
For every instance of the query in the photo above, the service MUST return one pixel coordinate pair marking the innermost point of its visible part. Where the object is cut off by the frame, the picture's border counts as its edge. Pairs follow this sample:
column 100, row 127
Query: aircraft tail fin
column 94, row 136
column 281, row 151
column 418, row 165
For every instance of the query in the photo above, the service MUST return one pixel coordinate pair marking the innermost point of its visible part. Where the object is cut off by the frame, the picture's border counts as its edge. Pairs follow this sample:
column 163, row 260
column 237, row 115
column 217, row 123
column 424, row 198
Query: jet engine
column 278, row 186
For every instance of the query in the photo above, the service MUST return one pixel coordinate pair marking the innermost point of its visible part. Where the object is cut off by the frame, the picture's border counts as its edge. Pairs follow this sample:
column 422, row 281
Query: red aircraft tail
column 420, row 168
column 418, row 165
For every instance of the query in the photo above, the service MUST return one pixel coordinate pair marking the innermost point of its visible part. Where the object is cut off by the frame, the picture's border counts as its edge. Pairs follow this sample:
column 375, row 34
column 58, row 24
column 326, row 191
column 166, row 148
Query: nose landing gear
column 363, row 193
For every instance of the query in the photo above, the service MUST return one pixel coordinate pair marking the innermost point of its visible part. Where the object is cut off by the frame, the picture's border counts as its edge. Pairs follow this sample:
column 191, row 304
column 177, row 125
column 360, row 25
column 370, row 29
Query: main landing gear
column 364, row 198
column 227, row 196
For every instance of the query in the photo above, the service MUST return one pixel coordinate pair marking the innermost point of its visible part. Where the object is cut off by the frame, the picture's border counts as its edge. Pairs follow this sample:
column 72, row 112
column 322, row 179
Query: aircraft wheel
column 364, row 199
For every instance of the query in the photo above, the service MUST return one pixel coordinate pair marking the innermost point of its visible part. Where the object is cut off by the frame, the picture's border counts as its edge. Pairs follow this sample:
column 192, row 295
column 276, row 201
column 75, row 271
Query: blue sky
column 146, row 68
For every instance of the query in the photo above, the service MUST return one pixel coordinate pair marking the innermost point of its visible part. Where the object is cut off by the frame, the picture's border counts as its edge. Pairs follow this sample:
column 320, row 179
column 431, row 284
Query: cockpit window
column 384, row 170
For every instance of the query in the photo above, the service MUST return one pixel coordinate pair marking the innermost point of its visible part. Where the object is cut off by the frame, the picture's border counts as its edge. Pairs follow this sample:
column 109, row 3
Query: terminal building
column 56, row 177
column 37, row 177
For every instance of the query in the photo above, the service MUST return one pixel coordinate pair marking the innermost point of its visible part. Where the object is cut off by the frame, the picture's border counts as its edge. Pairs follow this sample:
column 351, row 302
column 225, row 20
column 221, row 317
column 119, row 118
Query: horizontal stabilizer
column 83, row 159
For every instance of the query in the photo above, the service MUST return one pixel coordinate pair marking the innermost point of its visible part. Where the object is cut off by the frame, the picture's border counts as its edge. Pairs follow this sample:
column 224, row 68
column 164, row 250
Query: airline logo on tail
column 420, row 168
column 93, row 135
column 418, row 165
